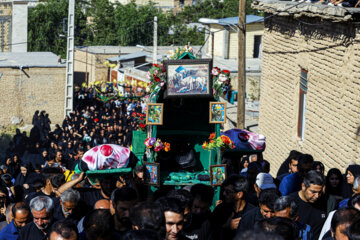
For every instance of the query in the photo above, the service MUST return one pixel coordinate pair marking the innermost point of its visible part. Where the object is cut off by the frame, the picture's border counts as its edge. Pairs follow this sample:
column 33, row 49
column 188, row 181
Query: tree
column 214, row 9
column 102, row 16
column 45, row 27
column 106, row 23
column 134, row 24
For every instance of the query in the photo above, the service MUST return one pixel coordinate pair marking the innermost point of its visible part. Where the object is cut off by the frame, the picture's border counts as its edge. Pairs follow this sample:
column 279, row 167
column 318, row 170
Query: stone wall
column 24, row 92
column 330, row 53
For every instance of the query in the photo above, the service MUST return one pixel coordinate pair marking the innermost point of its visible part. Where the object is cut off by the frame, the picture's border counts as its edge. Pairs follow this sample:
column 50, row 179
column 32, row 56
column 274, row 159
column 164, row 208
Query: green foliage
column 6, row 136
column 101, row 13
column 45, row 28
column 134, row 23
column 106, row 23
column 214, row 9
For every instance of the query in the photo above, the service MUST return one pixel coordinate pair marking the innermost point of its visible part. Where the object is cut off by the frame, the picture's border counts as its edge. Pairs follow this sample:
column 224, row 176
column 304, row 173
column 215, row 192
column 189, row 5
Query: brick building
column 31, row 81
column 310, row 85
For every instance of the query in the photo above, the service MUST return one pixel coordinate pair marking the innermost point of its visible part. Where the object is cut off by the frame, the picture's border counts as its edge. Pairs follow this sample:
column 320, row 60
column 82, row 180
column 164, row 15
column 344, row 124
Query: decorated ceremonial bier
column 183, row 110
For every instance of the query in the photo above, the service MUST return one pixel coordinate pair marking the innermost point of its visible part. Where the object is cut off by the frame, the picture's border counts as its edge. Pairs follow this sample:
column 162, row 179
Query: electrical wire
column 208, row 31
column 203, row 44
column 12, row 44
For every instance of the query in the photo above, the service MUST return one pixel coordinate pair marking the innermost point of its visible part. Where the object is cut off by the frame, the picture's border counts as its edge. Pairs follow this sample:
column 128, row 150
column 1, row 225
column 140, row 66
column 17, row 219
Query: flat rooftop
column 29, row 59
column 235, row 20
column 162, row 50
column 251, row 64
column 304, row 9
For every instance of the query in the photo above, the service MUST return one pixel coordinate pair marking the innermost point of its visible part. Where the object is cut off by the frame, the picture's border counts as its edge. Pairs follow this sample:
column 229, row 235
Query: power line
column 208, row 31
column 203, row 44
column 11, row 44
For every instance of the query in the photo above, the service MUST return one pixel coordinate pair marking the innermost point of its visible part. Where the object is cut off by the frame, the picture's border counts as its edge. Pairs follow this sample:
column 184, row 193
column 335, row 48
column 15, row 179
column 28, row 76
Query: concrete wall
column 252, row 88
column 5, row 23
column 252, row 30
column 19, row 26
column 96, row 69
column 329, row 52
column 22, row 95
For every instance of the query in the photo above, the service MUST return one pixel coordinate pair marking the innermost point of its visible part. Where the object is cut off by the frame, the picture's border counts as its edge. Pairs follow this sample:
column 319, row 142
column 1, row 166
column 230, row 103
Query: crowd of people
column 42, row 198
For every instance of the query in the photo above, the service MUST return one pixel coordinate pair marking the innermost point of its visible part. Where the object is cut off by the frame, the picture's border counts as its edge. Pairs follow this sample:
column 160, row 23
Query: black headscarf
column 347, row 188
column 354, row 169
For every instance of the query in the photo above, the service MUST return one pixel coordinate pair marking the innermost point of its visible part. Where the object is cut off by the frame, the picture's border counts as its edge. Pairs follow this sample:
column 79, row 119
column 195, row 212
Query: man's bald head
column 63, row 230
column 102, row 204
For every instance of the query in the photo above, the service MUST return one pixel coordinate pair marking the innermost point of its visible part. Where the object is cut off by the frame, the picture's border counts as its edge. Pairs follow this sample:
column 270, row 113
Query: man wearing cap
column 263, row 181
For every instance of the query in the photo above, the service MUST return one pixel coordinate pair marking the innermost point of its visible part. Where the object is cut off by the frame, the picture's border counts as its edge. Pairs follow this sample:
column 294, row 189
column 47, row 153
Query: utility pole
column 155, row 40
column 241, row 66
column 69, row 85
column 212, row 47
column 86, row 68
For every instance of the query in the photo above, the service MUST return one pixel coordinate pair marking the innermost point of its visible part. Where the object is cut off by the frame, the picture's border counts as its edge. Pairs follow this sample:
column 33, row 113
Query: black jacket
column 31, row 232
column 249, row 219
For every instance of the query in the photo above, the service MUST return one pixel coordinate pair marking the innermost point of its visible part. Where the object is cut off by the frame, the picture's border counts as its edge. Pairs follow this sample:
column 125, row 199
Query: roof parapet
column 297, row 10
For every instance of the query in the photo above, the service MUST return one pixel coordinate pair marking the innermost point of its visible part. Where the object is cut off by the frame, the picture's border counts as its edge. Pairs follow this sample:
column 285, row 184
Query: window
column 302, row 103
column 181, row 3
column 257, row 46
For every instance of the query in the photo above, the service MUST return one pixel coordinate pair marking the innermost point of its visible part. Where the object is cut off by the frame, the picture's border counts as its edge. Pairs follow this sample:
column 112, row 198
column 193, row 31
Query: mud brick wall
column 24, row 92
column 330, row 53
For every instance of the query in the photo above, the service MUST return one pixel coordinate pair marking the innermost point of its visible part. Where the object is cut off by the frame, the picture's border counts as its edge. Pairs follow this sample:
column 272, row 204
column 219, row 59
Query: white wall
column 19, row 26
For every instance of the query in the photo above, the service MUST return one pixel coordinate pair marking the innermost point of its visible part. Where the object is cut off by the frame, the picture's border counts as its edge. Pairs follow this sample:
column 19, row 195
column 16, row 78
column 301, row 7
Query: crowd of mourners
column 42, row 198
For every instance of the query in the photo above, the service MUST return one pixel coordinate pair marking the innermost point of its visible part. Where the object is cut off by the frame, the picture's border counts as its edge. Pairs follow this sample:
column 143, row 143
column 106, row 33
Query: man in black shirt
column 174, row 217
column 226, row 216
column 122, row 200
column 286, row 208
column 42, row 208
column 68, row 207
column 265, row 210
column 311, row 202
column 148, row 216
column 200, row 203
column 107, row 184
column 48, row 189
column 63, row 230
